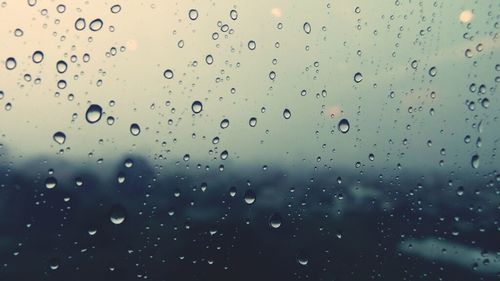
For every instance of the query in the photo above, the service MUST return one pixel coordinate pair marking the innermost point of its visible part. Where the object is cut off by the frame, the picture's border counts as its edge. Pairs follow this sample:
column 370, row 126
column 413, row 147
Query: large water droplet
column 50, row 182
column 275, row 220
column 196, row 107
column 59, row 137
column 37, row 57
column 193, row 14
column 252, row 45
column 135, row 129
column 61, row 66
column 250, row 197
column 344, row 126
column 169, row 74
column 233, row 14
column 94, row 113
column 10, row 63
column 96, row 25
column 80, row 24
column 117, row 214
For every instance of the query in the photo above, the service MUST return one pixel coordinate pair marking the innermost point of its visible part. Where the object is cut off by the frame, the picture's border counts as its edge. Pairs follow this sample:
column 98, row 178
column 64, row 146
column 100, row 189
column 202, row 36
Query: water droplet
column 50, row 182
column 54, row 263
column 358, row 77
column 275, row 220
column 302, row 258
column 59, row 137
column 18, row 32
column 287, row 114
column 209, row 59
column 307, row 28
column 252, row 122
column 10, row 63
column 343, row 126
column 233, row 14
column 414, row 64
column 61, row 8
column 80, row 24
column 224, row 123
column 135, row 130
column 37, row 57
column 252, row 45
column 116, row 9
column 232, row 191
column 169, row 74
column 96, row 25
column 196, row 107
column 250, row 197
column 61, row 66
column 193, row 14
column 475, row 161
column 432, row 71
column 94, row 113
column 117, row 214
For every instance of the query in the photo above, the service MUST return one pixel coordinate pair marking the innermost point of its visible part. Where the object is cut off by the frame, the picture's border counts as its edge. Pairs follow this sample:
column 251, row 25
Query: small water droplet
column 433, row 71
column 307, row 28
column 358, row 77
column 50, row 182
column 224, row 123
column 61, row 66
column 287, row 114
column 252, row 122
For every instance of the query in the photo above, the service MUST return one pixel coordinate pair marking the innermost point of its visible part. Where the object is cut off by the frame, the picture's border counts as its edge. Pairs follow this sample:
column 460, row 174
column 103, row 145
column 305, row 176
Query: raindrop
column 233, row 14
column 358, row 77
column 302, row 258
column 50, row 182
column 432, row 71
column 343, row 126
column 287, row 114
column 252, row 45
column 135, row 130
column 414, row 64
column 80, row 24
column 169, row 74
column 61, row 66
column 275, row 220
column 475, row 161
column 307, row 28
column 193, row 14
column 59, row 137
column 116, row 9
column 94, row 113
column 37, row 57
column 250, row 197
column 252, row 122
column 224, row 123
column 209, row 59
column 196, row 107
column 232, row 191
column 117, row 214
column 10, row 63
column 53, row 262
column 96, row 25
